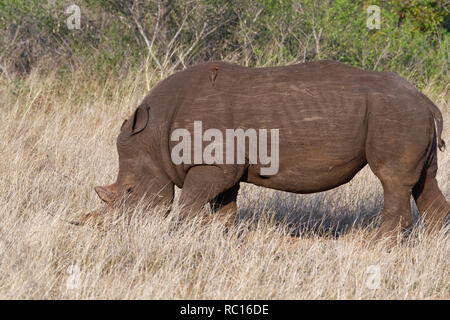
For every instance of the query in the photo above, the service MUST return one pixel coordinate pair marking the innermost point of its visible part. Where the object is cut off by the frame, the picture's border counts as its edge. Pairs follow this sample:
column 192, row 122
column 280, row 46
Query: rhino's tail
column 437, row 115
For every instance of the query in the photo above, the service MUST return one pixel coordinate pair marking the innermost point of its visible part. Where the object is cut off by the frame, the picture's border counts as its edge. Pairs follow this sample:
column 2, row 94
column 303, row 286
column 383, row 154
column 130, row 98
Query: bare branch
column 169, row 46
column 147, row 42
column 381, row 55
column 5, row 72
column 191, row 47
column 156, row 26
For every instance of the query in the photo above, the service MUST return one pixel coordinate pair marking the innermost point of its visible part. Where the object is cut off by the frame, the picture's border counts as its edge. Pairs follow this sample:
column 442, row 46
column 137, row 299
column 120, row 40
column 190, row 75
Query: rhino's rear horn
column 108, row 193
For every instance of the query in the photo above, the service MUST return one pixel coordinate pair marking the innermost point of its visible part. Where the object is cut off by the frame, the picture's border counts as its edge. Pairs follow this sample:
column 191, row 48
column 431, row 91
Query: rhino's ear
column 108, row 193
column 140, row 119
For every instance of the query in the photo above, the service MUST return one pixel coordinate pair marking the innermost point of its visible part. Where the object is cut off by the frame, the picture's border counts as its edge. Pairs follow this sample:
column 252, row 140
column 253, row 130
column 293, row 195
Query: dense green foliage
column 167, row 35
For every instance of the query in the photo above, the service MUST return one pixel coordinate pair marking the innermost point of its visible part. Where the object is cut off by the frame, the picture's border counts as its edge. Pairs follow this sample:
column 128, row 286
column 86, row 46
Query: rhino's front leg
column 224, row 206
column 206, row 183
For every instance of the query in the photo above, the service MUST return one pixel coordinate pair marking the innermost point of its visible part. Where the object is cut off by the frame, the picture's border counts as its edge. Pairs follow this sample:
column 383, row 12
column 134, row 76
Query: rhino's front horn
column 108, row 193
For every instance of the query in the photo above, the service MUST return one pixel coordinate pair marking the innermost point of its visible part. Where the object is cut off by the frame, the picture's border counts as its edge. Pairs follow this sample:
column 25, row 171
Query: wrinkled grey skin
column 333, row 119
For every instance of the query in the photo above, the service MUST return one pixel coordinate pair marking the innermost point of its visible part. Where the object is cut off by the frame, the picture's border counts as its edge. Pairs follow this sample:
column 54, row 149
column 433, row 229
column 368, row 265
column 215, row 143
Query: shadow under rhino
column 316, row 217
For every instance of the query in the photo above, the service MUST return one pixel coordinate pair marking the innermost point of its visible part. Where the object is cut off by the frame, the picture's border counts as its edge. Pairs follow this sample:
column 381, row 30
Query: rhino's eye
column 129, row 190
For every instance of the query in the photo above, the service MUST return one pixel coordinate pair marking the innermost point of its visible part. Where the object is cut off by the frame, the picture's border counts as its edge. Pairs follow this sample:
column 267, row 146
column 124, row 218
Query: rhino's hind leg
column 224, row 206
column 398, row 172
column 397, row 215
column 429, row 198
column 398, row 145
column 397, row 178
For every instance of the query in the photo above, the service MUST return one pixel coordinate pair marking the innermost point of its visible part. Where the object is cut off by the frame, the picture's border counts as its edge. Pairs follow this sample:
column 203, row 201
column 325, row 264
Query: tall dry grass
column 58, row 142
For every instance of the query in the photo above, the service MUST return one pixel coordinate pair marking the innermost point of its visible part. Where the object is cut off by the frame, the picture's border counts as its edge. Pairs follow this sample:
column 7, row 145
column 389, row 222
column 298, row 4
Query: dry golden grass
column 58, row 142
